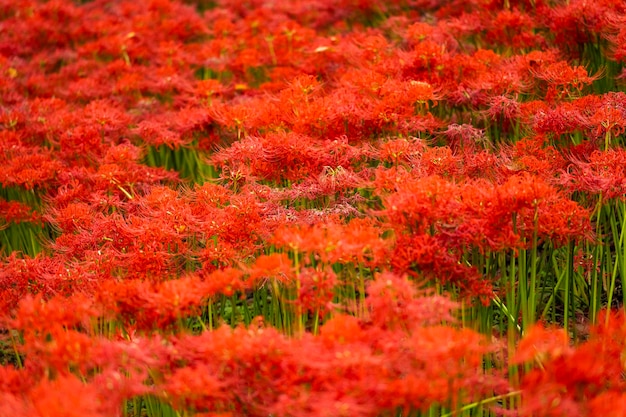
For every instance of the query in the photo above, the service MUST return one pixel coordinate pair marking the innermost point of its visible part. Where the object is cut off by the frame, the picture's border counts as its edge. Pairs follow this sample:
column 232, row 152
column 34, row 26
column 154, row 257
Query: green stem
column 482, row 402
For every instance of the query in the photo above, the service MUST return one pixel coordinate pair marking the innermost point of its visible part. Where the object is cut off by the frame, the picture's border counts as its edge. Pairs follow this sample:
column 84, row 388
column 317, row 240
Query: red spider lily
column 68, row 396
column 265, row 266
column 291, row 157
column 573, row 380
column 575, row 226
column 563, row 79
column 454, row 357
column 47, row 118
column 505, row 109
column 16, row 212
column 27, row 167
column 602, row 174
column 210, row 195
column 103, row 394
column 565, row 118
column 401, row 150
column 241, row 118
column 110, row 119
column 302, row 107
column 71, row 218
column 358, row 241
column 609, row 119
column 579, row 22
column 20, row 277
column 59, row 347
column 480, row 164
column 249, row 363
column 530, row 108
column 542, row 345
column 198, row 388
column 151, row 306
column 361, row 372
column 157, row 133
column 417, row 204
column 162, row 305
column 142, row 247
column 418, row 31
column 315, row 290
column 81, row 145
column 120, row 171
column 619, row 44
column 532, row 155
column 271, row 157
column 427, row 257
column 464, row 137
column 386, row 180
column 529, row 198
column 342, row 329
column 391, row 303
column 226, row 281
column 438, row 161
column 34, row 315
column 515, row 29
column 207, row 89
column 432, row 213
column 506, row 80
column 337, row 180
column 13, row 382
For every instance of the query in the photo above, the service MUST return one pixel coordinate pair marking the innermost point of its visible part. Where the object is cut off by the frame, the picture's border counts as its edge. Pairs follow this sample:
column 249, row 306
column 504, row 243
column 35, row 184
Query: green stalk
column 523, row 290
column 157, row 408
column 506, row 313
column 532, row 302
column 361, row 277
column 186, row 160
column 316, row 321
column 568, row 286
column 561, row 275
column 299, row 314
column 618, row 240
column 136, row 404
column 598, row 266
column 480, row 403
column 18, row 359
column 210, row 314
column 275, row 318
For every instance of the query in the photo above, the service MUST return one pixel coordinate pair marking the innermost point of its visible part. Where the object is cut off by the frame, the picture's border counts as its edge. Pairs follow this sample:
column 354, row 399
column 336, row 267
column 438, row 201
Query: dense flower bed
column 312, row 208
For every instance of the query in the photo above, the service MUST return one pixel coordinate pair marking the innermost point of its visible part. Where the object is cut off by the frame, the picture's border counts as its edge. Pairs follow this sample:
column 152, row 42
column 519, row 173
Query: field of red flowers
column 305, row 208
